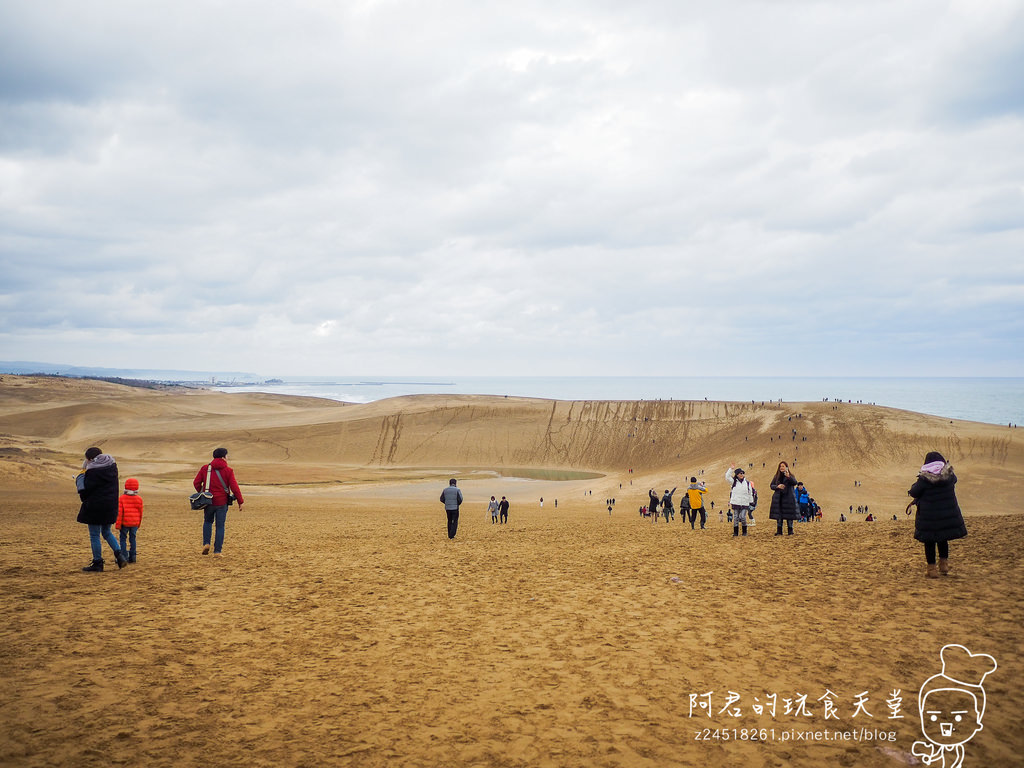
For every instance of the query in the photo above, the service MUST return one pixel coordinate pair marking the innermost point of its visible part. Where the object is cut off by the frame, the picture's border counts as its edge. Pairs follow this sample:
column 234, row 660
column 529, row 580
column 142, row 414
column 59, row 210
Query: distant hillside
column 26, row 368
column 846, row 453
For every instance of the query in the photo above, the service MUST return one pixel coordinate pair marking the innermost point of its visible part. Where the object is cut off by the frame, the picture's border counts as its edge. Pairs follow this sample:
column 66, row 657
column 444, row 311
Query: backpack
column 685, row 502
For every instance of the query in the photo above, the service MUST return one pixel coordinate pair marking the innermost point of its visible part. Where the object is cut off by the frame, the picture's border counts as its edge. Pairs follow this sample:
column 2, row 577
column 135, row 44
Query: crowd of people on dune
column 938, row 518
column 742, row 502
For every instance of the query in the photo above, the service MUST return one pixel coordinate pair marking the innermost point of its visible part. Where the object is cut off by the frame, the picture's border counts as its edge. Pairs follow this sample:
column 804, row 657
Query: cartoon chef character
column 951, row 705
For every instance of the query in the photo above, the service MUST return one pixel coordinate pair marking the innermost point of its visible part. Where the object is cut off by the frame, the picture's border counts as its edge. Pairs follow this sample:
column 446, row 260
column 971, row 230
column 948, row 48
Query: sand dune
column 342, row 628
column 285, row 441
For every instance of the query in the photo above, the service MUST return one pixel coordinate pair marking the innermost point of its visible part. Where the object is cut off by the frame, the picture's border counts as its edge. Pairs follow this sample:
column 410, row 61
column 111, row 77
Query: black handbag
column 203, row 498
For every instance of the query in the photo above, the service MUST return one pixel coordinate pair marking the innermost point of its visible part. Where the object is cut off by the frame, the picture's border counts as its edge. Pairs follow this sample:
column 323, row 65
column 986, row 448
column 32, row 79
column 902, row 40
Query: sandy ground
column 343, row 628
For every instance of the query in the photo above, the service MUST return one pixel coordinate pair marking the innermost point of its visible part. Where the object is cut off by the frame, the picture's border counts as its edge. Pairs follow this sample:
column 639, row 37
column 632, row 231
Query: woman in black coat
column 939, row 519
column 783, row 499
column 99, row 490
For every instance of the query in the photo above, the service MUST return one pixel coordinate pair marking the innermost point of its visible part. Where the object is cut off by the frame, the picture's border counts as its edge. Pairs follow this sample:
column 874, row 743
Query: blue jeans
column 211, row 515
column 128, row 538
column 96, row 535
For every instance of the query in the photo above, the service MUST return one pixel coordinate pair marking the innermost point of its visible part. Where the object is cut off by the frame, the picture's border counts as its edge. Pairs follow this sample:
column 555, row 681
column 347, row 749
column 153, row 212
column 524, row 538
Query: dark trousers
column 453, row 522
column 703, row 516
column 128, row 535
column 504, row 517
column 929, row 550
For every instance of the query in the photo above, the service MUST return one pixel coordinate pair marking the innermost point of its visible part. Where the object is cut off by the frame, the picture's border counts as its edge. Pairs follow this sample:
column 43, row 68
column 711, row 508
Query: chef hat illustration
column 961, row 670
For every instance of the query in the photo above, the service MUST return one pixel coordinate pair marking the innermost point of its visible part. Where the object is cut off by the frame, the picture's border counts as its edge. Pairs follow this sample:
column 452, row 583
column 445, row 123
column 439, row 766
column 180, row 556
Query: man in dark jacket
column 99, row 489
column 451, row 497
column 219, row 479
column 503, row 509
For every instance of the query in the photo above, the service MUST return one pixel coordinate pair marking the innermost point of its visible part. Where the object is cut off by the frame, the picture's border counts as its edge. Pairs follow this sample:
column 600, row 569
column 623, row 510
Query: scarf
column 103, row 460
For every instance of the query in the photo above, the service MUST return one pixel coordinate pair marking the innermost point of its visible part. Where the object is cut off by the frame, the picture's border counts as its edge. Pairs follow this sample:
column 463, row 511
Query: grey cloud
column 370, row 184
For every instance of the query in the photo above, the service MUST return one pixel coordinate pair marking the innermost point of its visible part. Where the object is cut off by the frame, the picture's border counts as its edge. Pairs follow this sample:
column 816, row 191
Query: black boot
column 736, row 529
column 97, row 565
column 789, row 531
column 122, row 561
column 744, row 530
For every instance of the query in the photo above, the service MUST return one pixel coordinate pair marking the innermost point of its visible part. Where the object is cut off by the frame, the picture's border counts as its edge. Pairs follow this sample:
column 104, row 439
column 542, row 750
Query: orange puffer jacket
column 129, row 511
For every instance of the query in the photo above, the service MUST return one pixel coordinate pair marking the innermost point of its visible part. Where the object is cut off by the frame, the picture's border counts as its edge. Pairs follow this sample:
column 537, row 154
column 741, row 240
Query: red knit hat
column 131, row 484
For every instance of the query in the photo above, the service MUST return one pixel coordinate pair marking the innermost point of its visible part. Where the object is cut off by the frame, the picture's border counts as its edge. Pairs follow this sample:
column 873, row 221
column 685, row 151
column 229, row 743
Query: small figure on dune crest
column 939, row 519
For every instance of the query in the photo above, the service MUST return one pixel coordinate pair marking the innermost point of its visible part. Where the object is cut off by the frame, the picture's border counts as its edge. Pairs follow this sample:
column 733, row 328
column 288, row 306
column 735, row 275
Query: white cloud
column 386, row 187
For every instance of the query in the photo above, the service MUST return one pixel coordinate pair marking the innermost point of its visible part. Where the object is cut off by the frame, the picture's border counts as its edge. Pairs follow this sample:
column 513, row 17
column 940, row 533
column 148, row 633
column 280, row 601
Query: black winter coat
column 99, row 496
column 938, row 514
column 784, row 502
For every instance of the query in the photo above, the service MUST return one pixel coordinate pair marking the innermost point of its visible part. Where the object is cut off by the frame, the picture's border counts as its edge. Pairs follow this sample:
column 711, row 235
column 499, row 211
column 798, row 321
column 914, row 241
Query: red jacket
column 129, row 511
column 220, row 497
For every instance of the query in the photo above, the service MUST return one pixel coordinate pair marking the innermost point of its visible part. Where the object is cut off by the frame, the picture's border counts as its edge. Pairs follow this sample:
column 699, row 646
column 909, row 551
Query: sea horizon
column 993, row 400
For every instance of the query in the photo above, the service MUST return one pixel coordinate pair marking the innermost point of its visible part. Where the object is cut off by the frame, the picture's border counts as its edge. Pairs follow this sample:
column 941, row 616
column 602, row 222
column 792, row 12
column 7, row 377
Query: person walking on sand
column 668, row 508
column 492, row 507
column 696, row 493
column 219, row 479
column 503, row 508
column 939, row 519
column 783, row 499
column 98, row 489
column 741, row 496
column 129, row 517
column 451, row 497
column 652, row 508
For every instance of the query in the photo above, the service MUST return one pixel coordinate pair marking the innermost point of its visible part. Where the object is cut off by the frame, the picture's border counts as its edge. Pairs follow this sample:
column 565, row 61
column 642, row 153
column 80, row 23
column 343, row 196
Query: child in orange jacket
column 129, row 516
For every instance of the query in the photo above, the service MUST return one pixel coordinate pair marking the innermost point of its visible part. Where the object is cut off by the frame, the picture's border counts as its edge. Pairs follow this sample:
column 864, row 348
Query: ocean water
column 992, row 400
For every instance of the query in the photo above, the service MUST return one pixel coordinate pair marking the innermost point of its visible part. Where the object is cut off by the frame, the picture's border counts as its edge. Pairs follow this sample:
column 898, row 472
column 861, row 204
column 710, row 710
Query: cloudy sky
column 533, row 188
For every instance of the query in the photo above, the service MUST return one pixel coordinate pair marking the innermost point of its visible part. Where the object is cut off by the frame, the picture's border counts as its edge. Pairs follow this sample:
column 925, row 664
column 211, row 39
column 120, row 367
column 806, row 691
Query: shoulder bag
column 203, row 498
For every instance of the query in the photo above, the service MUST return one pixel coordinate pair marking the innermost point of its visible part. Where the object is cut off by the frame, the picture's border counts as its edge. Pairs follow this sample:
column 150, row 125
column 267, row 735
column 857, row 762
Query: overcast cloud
column 734, row 188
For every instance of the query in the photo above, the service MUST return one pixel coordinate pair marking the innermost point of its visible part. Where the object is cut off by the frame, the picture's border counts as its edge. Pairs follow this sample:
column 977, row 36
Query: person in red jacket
column 219, row 479
column 129, row 516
